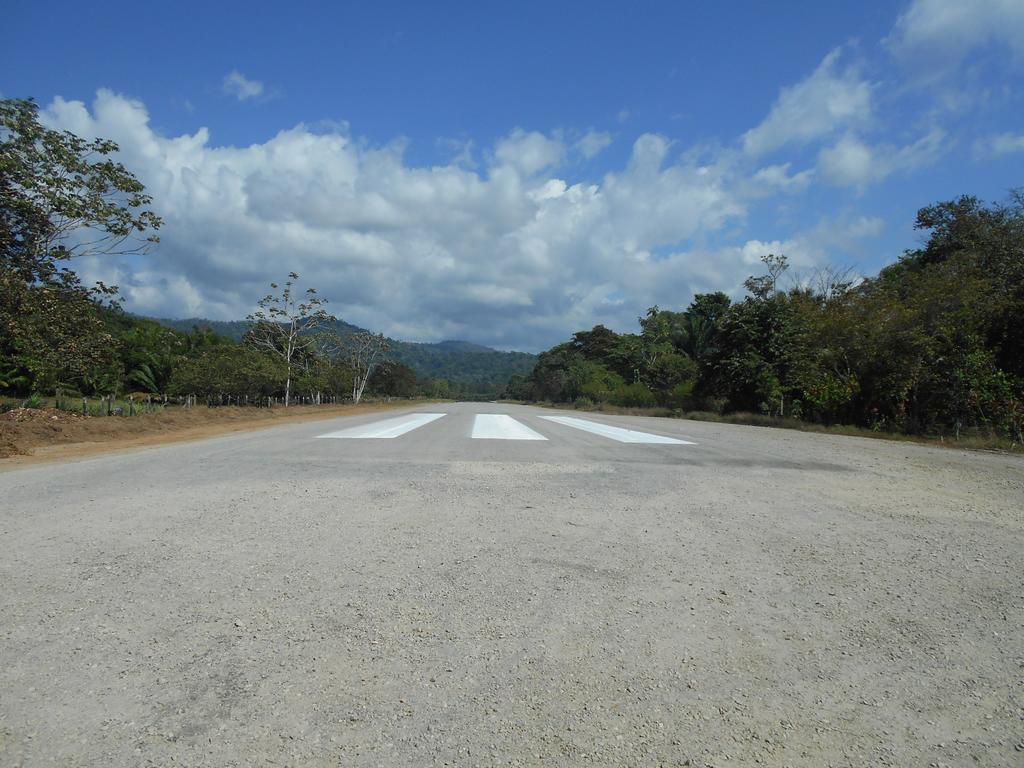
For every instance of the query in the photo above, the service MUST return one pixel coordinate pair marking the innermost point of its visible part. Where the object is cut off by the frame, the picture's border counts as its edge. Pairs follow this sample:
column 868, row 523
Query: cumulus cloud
column 529, row 152
column 936, row 35
column 513, row 254
column 593, row 143
column 853, row 163
column 824, row 102
column 238, row 85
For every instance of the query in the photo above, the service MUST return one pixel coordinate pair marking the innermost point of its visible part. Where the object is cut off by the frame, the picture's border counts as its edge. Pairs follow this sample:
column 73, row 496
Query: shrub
column 637, row 395
column 35, row 400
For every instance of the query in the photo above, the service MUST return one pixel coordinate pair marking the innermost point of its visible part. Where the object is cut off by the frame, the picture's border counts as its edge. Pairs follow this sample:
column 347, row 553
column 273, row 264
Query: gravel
column 763, row 598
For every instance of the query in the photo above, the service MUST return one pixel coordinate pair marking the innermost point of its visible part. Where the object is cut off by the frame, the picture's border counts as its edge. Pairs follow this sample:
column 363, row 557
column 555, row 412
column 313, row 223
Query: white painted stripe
column 615, row 433
column 387, row 428
column 498, row 426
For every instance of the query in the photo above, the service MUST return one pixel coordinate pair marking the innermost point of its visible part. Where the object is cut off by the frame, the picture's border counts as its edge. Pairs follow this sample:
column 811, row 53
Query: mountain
column 476, row 368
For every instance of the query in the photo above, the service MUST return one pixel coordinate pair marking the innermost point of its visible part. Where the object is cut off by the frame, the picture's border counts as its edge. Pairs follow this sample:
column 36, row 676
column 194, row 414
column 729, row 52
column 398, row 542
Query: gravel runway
column 744, row 596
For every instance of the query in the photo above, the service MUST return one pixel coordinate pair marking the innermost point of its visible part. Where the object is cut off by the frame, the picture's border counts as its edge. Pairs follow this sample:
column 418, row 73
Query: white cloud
column 509, row 255
column 515, row 253
column 778, row 177
column 529, row 152
column 241, row 87
column 1000, row 144
column 853, row 163
column 866, row 226
column 850, row 162
column 817, row 106
column 593, row 143
column 936, row 35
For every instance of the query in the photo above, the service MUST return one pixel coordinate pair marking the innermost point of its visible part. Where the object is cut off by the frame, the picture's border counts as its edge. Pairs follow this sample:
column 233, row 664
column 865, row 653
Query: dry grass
column 28, row 435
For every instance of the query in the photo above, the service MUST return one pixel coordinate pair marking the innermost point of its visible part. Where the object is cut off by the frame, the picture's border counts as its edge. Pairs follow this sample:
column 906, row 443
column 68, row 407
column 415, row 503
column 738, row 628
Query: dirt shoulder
column 34, row 435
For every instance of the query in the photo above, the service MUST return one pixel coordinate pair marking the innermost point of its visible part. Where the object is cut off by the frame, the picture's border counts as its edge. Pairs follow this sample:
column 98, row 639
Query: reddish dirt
column 32, row 435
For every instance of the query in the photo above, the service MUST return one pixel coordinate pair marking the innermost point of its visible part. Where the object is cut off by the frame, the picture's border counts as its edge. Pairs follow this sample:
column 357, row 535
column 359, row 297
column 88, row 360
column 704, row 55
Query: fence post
column 85, row 406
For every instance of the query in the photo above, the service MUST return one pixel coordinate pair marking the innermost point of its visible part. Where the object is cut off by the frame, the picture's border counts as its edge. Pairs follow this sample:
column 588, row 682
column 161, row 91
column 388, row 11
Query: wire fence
column 137, row 404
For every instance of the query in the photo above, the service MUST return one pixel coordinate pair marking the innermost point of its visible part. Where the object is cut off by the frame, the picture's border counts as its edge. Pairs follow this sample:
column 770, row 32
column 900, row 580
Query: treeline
column 934, row 344
column 469, row 369
column 140, row 356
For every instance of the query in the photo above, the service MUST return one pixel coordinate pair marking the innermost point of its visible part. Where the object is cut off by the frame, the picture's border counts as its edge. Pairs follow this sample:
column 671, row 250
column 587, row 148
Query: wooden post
column 85, row 406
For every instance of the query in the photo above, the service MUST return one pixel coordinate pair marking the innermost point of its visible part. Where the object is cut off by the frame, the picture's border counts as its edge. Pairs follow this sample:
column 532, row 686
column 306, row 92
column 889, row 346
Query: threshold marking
column 386, row 429
column 498, row 426
column 615, row 433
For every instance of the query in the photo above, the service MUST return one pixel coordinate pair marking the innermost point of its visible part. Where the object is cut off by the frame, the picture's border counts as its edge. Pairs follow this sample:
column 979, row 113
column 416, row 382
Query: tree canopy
column 933, row 343
column 60, row 196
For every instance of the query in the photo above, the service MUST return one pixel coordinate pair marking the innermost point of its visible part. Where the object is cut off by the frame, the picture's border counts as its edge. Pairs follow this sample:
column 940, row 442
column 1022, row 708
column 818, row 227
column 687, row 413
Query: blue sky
column 509, row 173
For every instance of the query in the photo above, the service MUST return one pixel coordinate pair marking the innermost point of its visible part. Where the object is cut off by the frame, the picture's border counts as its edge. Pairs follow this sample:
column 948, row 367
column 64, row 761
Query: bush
column 229, row 370
column 35, row 400
column 637, row 395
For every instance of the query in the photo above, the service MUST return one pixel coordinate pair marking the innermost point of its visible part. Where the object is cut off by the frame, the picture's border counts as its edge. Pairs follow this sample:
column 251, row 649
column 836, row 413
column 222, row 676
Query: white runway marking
column 498, row 426
column 615, row 433
column 387, row 428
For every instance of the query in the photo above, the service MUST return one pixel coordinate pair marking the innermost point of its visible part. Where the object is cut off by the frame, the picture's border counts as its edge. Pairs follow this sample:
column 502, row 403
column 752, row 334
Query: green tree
column 596, row 344
column 284, row 326
column 663, row 365
column 760, row 355
column 230, row 370
column 560, row 374
column 393, row 379
column 60, row 196
column 700, row 325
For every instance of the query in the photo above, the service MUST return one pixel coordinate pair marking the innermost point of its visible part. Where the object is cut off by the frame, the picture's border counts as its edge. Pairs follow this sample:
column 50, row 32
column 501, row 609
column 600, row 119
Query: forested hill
column 475, row 367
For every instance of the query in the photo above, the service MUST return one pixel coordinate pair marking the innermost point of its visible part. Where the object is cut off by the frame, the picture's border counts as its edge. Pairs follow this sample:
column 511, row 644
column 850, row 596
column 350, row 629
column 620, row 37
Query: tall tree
column 394, row 380
column 284, row 325
column 700, row 324
column 364, row 352
column 60, row 196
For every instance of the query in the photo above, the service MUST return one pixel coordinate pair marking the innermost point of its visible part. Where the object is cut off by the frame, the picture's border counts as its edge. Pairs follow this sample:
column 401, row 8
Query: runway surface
column 486, row 584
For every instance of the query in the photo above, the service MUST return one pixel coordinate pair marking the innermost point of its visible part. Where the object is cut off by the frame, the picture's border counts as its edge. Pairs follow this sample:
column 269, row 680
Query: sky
column 509, row 173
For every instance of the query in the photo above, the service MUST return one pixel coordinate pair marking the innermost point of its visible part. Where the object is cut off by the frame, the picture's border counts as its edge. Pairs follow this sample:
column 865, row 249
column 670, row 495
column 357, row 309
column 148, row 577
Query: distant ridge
column 476, row 367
